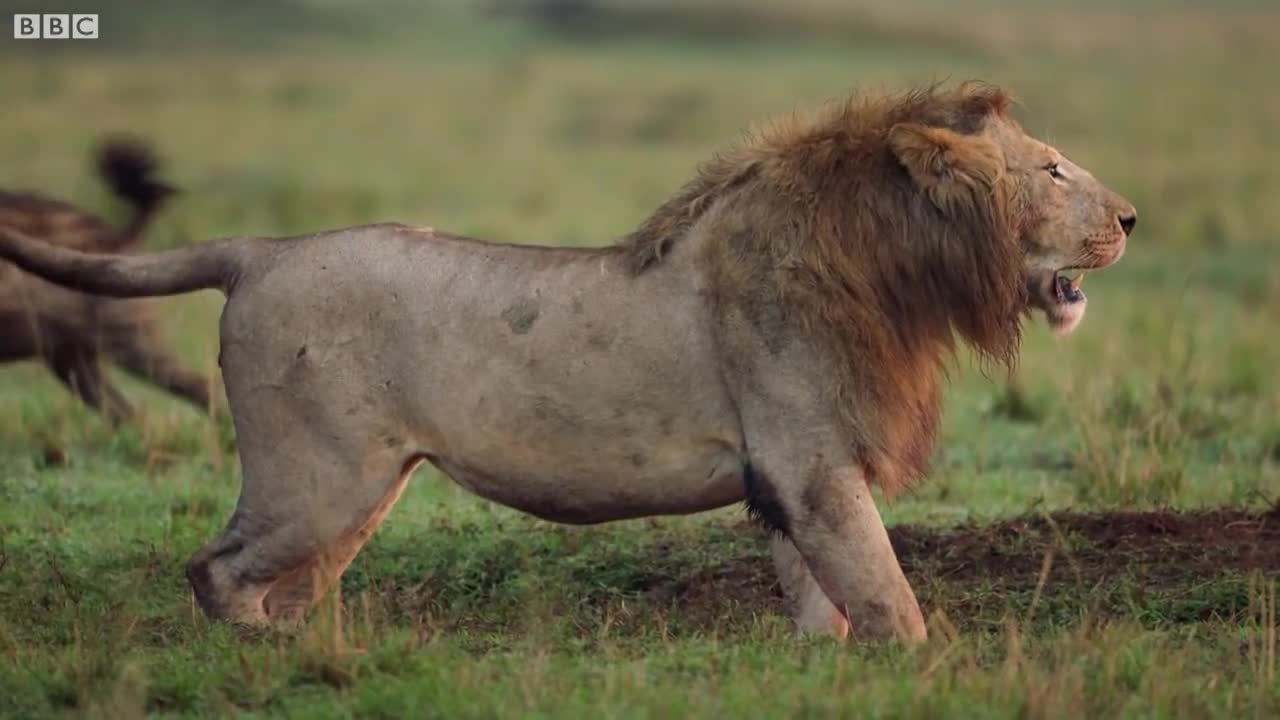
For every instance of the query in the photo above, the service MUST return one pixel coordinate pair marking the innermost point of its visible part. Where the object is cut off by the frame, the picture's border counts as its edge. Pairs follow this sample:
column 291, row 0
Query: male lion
column 70, row 331
column 773, row 334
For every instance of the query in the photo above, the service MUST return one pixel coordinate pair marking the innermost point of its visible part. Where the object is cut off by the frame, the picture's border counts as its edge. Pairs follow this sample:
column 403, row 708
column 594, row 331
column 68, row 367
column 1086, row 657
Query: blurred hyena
column 72, row 332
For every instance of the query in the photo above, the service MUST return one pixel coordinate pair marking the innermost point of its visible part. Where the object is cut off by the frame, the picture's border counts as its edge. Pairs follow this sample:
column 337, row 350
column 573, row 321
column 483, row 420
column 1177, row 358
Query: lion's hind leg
column 309, row 502
column 291, row 596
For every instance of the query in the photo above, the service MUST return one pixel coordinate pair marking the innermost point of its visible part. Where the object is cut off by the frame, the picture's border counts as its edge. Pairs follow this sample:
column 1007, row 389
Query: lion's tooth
column 1075, row 284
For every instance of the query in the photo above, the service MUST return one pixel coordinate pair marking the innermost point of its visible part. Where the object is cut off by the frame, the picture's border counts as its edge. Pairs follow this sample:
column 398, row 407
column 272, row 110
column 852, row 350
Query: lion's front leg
column 807, row 603
column 804, row 479
column 838, row 532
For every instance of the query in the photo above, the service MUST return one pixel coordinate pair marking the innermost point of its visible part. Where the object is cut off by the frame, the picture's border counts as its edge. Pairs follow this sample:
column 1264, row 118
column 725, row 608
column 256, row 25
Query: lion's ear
column 954, row 170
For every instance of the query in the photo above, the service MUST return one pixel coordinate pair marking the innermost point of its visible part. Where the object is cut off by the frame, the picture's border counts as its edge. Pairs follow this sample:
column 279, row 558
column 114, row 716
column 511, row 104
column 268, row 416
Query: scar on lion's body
column 521, row 316
column 548, row 409
column 600, row 340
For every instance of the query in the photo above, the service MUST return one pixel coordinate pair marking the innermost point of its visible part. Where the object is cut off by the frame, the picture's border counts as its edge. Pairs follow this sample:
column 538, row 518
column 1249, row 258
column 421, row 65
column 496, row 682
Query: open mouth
column 1066, row 289
column 1058, row 294
column 1057, row 289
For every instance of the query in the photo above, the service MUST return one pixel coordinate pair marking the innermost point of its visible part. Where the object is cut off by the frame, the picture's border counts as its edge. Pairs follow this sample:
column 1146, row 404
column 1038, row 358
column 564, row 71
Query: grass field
column 1099, row 535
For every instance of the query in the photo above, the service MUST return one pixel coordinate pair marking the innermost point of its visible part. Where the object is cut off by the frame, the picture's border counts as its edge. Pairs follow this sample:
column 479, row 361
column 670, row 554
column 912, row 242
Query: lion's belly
column 709, row 480
column 587, row 443
column 589, row 450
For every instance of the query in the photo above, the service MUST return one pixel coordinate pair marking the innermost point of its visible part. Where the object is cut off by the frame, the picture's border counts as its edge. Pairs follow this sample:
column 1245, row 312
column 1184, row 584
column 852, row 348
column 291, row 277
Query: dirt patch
column 1152, row 567
column 1158, row 569
column 1095, row 546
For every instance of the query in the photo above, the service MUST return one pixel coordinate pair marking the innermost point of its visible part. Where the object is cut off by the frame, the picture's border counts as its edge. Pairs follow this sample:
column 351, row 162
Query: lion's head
column 1065, row 221
column 991, row 186
column 887, row 225
column 1072, row 223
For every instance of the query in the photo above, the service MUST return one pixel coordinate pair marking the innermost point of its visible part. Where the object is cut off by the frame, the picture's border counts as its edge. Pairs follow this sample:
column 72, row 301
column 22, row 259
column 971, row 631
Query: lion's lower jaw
column 1064, row 319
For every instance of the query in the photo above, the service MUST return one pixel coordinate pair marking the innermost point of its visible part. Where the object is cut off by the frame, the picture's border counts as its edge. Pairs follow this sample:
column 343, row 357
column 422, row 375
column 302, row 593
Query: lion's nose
column 1128, row 219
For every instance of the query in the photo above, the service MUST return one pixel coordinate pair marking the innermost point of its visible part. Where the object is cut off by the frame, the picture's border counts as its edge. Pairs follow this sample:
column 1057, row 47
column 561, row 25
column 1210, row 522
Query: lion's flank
column 880, row 228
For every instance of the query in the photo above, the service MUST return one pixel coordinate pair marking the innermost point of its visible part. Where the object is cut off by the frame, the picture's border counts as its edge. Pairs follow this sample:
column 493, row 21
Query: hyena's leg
column 142, row 357
column 78, row 368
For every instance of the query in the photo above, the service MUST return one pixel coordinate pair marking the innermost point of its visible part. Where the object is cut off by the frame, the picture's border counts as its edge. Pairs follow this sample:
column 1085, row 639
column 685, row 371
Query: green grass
column 1167, row 398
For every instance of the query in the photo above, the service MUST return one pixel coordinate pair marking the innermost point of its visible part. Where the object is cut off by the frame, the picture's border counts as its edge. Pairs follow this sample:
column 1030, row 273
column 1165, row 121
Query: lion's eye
column 1053, row 171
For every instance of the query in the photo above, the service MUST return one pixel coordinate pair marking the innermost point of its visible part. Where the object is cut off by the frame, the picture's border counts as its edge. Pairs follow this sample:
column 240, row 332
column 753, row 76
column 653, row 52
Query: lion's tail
column 215, row 264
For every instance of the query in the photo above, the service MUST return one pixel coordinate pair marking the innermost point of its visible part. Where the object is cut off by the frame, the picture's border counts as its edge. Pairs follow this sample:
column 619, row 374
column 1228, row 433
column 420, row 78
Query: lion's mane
column 880, row 228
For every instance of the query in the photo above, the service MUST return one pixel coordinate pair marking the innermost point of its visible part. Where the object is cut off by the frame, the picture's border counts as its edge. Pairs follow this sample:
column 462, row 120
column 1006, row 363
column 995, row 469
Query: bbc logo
column 55, row 27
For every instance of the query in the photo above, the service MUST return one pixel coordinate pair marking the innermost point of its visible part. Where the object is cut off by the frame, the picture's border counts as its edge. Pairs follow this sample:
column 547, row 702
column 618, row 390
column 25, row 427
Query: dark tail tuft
column 130, row 168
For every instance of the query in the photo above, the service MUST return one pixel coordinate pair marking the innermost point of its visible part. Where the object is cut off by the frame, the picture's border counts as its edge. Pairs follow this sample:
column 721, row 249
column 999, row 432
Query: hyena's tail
column 131, row 170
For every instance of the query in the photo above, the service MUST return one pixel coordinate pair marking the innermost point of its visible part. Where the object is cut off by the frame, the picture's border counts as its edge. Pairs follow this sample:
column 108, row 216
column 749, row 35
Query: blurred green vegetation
column 512, row 122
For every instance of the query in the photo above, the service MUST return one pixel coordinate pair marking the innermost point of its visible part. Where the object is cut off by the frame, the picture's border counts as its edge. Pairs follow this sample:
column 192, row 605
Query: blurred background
column 567, row 121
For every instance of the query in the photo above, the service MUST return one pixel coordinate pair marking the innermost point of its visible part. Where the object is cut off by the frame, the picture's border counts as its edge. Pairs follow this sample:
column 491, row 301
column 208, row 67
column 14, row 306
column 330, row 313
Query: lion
column 773, row 334
column 70, row 331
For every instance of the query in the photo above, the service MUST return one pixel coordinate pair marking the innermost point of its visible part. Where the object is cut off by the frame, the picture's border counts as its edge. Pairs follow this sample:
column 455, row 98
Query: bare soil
column 1153, row 568
column 1160, row 546
column 1160, row 567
